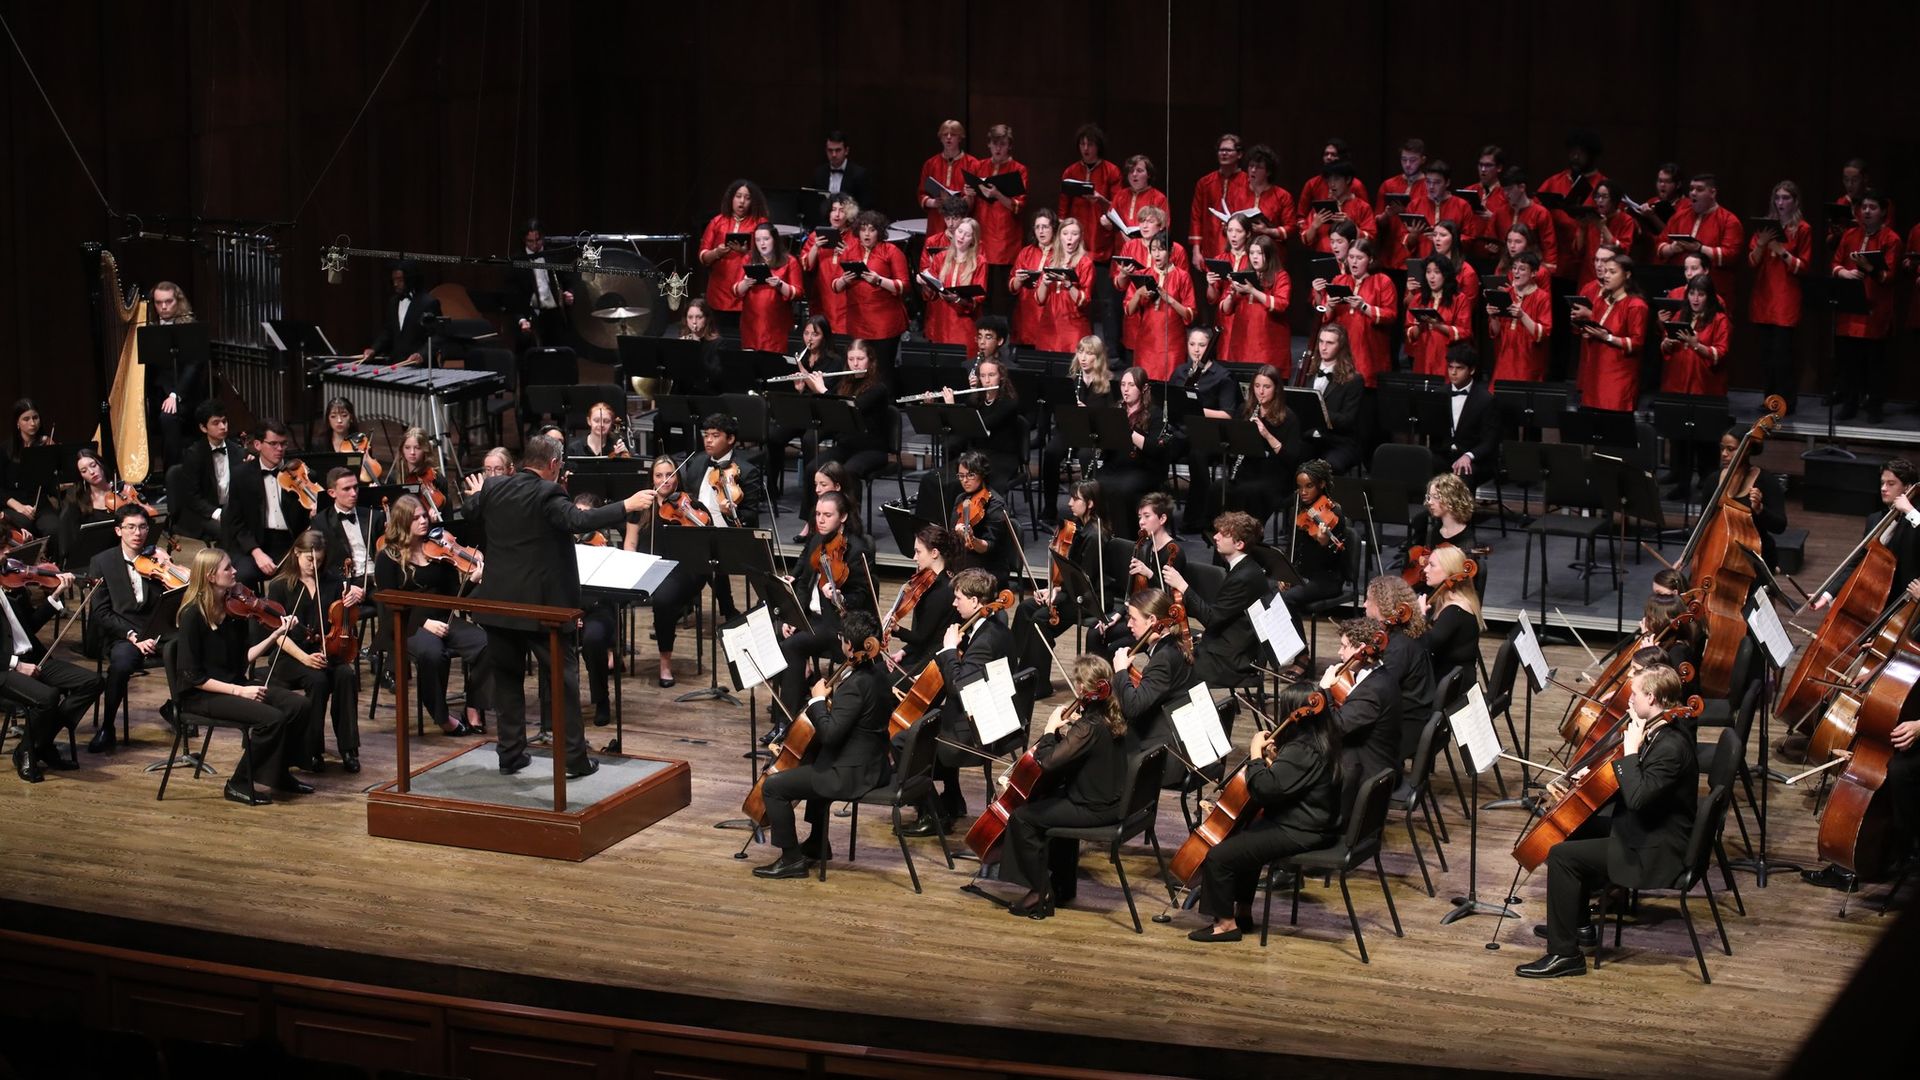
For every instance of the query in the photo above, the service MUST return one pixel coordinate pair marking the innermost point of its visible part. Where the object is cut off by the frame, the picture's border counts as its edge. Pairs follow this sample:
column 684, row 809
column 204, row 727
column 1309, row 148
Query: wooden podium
column 396, row 812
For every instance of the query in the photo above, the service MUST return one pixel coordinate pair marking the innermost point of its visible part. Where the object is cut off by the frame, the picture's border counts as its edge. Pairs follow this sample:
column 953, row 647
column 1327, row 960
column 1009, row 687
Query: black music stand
column 1758, row 861
column 1533, row 406
column 1588, row 426
column 48, row 468
column 1101, row 430
column 1210, row 439
column 819, row 418
column 1687, row 421
column 713, row 551
column 904, row 525
column 1311, row 405
column 613, row 479
column 319, row 465
column 1414, row 405
column 1843, row 296
column 182, row 345
column 1638, row 497
column 1089, row 597
column 944, row 423
column 1279, row 569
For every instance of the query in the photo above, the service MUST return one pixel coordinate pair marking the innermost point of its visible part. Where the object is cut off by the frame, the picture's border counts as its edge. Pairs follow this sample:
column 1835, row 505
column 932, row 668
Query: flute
column 795, row 376
column 933, row 395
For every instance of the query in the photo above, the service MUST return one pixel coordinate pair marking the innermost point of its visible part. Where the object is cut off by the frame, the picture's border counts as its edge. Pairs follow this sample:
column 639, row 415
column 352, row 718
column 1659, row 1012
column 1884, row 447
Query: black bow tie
column 836, row 172
column 221, row 449
column 1459, row 391
column 270, row 471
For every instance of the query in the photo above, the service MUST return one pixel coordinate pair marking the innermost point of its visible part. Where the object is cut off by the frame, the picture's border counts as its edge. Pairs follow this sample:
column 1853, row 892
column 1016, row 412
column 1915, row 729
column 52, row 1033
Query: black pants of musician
column 955, row 728
column 432, row 661
column 1860, row 370
column 596, row 651
column 823, row 642
column 332, row 689
column 122, row 661
column 166, row 431
column 776, row 457
column 671, row 601
column 506, row 656
column 1576, row 869
column 268, row 722
column 1776, row 357
column 1903, row 787
column 817, row 787
column 1048, row 866
column 57, row 695
column 1203, row 497
column 1104, row 640
column 1231, row 873
column 276, row 543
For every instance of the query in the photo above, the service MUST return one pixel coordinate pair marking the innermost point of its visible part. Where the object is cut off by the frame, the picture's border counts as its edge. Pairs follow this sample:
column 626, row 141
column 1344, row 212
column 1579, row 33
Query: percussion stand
column 449, row 460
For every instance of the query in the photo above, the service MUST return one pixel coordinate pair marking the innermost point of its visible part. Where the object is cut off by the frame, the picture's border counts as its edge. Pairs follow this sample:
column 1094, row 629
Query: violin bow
column 1025, row 564
column 1568, row 623
column 79, row 609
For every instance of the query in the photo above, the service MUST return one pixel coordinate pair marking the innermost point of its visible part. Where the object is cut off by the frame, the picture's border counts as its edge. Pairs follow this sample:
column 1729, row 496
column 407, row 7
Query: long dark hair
column 1277, row 414
column 756, row 199
column 1315, row 728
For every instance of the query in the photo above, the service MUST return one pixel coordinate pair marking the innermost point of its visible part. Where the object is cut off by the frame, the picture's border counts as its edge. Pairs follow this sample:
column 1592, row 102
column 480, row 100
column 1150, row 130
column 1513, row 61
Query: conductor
column 529, row 524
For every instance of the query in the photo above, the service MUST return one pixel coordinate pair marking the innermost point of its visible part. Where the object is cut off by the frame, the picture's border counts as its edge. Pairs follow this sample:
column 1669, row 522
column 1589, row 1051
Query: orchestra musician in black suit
column 117, row 613
column 307, row 589
column 728, row 485
column 839, row 174
column 1659, row 776
column 1391, row 602
column 966, row 648
column 1368, row 721
column 1209, row 390
column 207, row 468
column 1003, row 445
column 1472, row 452
column 55, row 693
column 352, row 530
column 1055, row 609
column 262, row 516
column 1336, row 437
column 1901, row 536
column 1226, row 650
column 529, row 524
column 542, row 297
column 827, row 601
column 848, row 754
column 403, row 333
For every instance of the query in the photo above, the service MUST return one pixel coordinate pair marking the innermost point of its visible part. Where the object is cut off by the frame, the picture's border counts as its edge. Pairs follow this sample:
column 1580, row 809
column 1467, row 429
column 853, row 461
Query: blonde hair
column 951, row 125
column 1453, row 495
column 400, row 541
column 184, row 311
column 429, row 460
column 1089, row 673
column 1155, row 215
column 1102, row 376
column 1451, row 561
column 1661, row 682
column 954, row 271
column 200, row 592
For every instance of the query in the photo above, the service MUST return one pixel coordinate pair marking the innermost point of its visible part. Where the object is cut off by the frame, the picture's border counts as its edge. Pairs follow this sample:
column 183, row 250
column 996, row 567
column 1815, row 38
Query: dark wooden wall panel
column 632, row 118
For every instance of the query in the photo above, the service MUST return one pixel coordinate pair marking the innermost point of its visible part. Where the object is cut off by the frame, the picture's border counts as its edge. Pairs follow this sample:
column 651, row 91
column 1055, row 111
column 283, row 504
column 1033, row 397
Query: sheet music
column 1473, row 731
column 989, row 701
column 1273, row 624
column 610, row 567
column 1765, row 622
column 1531, row 657
column 1197, row 723
column 754, row 648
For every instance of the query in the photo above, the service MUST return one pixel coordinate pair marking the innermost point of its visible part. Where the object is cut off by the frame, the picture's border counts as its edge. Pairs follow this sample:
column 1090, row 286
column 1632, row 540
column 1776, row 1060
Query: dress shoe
column 508, row 768
column 291, row 785
column 666, row 682
column 316, row 765
column 545, row 738
column 1552, row 967
column 104, row 740
column 350, row 761
column 23, row 764
column 1206, row 933
column 455, row 727
column 1588, row 936
column 926, row 827
column 588, row 769
column 602, row 715
column 816, row 852
column 243, row 793
column 50, row 757
column 1038, row 909
column 953, row 809
column 1828, row 877
column 776, row 733
column 790, row 864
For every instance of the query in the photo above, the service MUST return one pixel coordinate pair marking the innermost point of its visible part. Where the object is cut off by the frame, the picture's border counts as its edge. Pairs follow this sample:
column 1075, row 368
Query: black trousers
column 823, row 641
column 276, row 543
column 801, row 782
column 1231, row 873
column 1203, row 501
column 1049, row 866
column 1860, row 368
column 1576, row 869
column 1903, row 787
column 596, row 644
column 1776, row 355
column 334, row 688
column 1032, row 632
column 432, row 662
column 671, row 601
column 122, row 661
column 269, row 721
column 506, row 656
column 955, row 728
column 57, row 695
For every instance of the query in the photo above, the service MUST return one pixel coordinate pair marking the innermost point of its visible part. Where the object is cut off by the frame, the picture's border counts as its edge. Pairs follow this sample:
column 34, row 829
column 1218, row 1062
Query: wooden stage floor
column 672, row 914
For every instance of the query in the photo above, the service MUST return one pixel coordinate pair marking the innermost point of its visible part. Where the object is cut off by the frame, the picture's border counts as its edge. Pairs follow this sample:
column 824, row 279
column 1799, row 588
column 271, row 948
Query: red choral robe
column 1000, row 231
column 1128, row 203
column 1367, row 333
column 1393, row 233
column 1354, row 207
column 766, row 318
column 1063, row 322
column 821, row 299
column 948, row 175
column 1214, row 192
column 1452, row 208
column 949, row 321
column 1610, row 374
column 1686, row 371
column 1274, row 203
column 1428, row 348
column 1722, row 239
column 1569, row 235
column 872, row 312
column 1096, row 234
column 1162, row 344
column 1774, row 299
column 726, row 269
column 1913, row 297
column 1534, row 217
column 1136, row 249
column 1468, row 281
column 1028, row 313
column 1878, row 321
column 1481, row 229
column 1255, row 332
column 1316, row 188
column 1624, row 230
column 1518, row 355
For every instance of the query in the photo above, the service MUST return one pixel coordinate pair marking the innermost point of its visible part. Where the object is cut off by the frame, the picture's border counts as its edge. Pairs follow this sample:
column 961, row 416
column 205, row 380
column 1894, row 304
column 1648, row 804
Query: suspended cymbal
column 614, row 314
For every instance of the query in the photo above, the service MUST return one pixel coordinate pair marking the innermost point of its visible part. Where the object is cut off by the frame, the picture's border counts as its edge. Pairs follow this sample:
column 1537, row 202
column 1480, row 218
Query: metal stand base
column 1464, row 906
column 184, row 761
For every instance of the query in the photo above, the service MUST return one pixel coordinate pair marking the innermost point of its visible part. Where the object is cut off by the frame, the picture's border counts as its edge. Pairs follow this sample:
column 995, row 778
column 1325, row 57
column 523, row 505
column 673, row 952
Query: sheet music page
column 754, row 648
column 989, row 701
column 1274, row 625
column 1197, row 723
column 1473, row 730
column 1765, row 622
column 1531, row 657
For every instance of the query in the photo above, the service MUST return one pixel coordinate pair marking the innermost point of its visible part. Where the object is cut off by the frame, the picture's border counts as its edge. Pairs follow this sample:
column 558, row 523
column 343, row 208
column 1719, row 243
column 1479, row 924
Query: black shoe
column 1039, row 909
column 350, row 761
column 602, row 715
column 23, row 764
column 508, row 768
column 243, row 793
column 1828, row 877
column 104, row 740
column 50, row 757
column 788, row 865
column 1206, row 933
column 1552, row 967
column 953, row 810
column 1588, row 936
column 291, row 785
column 1047, row 689
column 926, row 827
column 666, row 682
column 316, row 766
column 589, row 769
column 776, row 733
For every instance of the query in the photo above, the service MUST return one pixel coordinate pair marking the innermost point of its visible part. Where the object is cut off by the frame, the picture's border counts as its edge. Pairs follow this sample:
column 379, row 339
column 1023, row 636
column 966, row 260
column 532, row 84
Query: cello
column 1609, row 698
column 1857, row 829
column 1023, row 782
column 928, row 685
column 1724, row 547
column 1591, row 791
column 800, row 733
column 1233, row 808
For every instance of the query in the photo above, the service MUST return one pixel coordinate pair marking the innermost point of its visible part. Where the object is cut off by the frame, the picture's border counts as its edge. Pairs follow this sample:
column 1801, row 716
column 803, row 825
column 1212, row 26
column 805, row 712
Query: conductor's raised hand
column 473, row 482
column 640, row 500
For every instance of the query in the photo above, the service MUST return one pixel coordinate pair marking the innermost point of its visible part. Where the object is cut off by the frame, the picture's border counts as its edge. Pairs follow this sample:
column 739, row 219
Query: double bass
column 1724, row 547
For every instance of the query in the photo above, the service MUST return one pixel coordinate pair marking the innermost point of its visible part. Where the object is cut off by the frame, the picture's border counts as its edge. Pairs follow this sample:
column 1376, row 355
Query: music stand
column 1844, row 296
column 1587, row 426
column 713, row 551
column 1687, row 421
column 943, row 423
column 48, row 468
column 1638, row 495
column 1309, row 404
column 1211, row 439
column 1279, row 569
column 1101, row 430
column 904, row 525
column 613, row 479
column 1531, row 405
column 819, row 418
column 95, row 537
column 182, row 344
column 163, row 623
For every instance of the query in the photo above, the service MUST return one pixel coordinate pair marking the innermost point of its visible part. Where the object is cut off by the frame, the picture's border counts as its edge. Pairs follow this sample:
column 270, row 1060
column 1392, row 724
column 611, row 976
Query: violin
column 1023, row 782
column 678, row 508
column 123, row 494
column 1321, row 521
column 293, row 477
column 968, row 514
column 928, row 685
column 1233, row 808
column 1591, row 791
column 360, row 443
column 17, row 535
column 429, row 482
column 727, row 482
column 1142, row 549
column 832, row 554
column 15, row 574
column 1345, row 676
column 910, row 594
column 441, row 544
column 169, row 575
column 1415, row 572
column 1062, row 548
column 242, row 601
column 1174, row 623
column 341, row 640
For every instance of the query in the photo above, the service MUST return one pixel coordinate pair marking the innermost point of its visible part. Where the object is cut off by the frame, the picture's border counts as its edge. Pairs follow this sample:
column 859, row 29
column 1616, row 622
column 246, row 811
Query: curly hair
column 1391, row 595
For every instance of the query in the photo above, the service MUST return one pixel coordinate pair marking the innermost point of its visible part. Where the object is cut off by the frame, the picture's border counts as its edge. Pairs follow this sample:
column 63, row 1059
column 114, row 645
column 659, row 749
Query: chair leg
column 1266, row 910
column 1726, row 875
column 905, row 852
column 1413, row 838
column 1699, row 956
column 853, row 831
column 1126, row 890
column 206, row 744
column 1713, row 905
column 1435, row 817
column 1387, row 891
column 1160, row 858
column 173, row 755
column 1600, row 931
column 1439, row 841
column 1352, row 919
column 1293, row 917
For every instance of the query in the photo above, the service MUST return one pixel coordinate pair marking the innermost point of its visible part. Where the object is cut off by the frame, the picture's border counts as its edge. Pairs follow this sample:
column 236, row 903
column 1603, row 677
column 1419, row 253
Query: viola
column 360, row 443
column 293, row 477
column 1062, row 548
column 727, row 482
column 429, row 482
column 170, row 575
column 342, row 638
column 928, row 685
column 969, row 513
column 910, row 594
column 16, row 536
column 1591, row 791
column 123, row 494
column 242, row 602
column 680, row 509
column 1321, row 521
column 1233, row 808
column 1024, row 780
column 1174, row 623
column 441, row 544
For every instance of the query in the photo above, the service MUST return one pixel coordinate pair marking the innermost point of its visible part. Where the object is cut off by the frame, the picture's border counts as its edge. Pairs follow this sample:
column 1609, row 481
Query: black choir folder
column 1007, row 183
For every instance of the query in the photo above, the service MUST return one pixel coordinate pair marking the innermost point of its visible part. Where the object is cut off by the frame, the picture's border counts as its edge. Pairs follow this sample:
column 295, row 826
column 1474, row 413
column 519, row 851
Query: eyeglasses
column 134, row 526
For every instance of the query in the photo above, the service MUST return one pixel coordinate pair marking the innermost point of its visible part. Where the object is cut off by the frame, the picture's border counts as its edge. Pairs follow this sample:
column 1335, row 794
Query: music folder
column 742, row 238
column 1076, row 189
column 1006, row 183
column 1145, row 281
column 757, row 271
column 934, row 189
column 1471, row 197
column 826, row 236
column 1876, row 259
column 854, row 266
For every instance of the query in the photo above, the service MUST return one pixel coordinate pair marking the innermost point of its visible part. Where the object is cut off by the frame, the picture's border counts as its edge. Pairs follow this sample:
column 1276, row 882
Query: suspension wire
column 473, row 162
column 61, row 124
column 519, row 90
column 357, row 117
